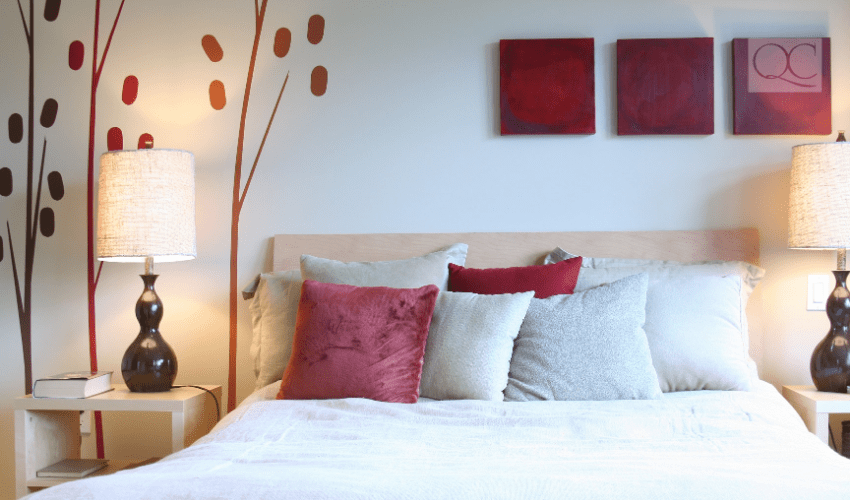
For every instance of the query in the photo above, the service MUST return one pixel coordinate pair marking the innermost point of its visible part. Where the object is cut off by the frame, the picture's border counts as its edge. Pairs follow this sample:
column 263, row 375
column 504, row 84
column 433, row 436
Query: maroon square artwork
column 782, row 86
column 665, row 86
column 547, row 86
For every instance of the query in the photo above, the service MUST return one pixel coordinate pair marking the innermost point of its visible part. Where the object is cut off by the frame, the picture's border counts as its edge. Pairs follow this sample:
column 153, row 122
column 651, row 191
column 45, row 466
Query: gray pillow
column 432, row 268
column 586, row 346
column 273, row 311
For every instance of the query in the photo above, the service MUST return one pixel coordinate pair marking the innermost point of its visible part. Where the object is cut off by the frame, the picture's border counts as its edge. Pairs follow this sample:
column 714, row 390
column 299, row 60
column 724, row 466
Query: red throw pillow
column 544, row 281
column 358, row 342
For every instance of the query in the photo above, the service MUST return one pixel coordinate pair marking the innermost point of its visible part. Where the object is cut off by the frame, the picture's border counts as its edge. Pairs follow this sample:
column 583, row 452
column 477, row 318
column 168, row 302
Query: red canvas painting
column 665, row 86
column 547, row 86
column 782, row 86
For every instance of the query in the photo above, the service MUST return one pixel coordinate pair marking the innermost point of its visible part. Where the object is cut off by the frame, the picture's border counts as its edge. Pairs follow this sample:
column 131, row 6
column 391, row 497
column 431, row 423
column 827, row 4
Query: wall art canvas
column 665, row 86
column 782, row 86
column 547, row 86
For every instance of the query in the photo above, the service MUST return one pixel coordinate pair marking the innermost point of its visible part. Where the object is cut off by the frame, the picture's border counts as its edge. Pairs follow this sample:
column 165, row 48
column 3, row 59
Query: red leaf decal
column 145, row 141
column 76, row 53
column 130, row 90
column 115, row 139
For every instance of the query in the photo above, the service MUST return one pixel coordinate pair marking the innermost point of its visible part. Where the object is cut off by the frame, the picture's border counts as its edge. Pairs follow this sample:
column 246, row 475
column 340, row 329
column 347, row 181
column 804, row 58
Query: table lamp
column 146, row 213
column 819, row 218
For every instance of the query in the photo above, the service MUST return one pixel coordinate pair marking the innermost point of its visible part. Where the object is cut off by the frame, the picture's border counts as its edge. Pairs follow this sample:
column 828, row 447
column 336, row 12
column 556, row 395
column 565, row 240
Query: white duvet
column 696, row 445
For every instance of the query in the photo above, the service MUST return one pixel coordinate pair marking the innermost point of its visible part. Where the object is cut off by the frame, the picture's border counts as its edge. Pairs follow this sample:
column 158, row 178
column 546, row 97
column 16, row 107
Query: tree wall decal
column 42, row 219
column 218, row 100
column 39, row 219
column 91, row 277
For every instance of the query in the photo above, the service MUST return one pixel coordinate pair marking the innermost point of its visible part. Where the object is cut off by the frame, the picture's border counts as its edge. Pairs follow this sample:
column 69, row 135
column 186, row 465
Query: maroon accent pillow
column 544, row 281
column 358, row 342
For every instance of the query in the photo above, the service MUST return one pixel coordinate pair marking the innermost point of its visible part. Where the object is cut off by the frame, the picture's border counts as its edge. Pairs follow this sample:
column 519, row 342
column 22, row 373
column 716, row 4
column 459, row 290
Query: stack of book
column 72, row 385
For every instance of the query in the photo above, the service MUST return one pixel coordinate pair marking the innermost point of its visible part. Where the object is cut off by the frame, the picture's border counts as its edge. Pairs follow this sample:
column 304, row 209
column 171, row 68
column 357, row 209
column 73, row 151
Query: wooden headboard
column 518, row 249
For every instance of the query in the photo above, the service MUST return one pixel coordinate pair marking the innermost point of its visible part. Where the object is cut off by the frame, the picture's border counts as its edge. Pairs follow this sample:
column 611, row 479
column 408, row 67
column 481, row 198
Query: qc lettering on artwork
column 785, row 65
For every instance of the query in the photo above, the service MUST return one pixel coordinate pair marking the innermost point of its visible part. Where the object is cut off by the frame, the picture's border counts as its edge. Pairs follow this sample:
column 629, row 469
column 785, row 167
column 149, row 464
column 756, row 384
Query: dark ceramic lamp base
column 149, row 365
column 830, row 364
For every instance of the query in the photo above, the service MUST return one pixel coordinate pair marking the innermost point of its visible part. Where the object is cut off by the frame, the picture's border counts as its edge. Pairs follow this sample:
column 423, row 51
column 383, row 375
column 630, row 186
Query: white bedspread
column 701, row 445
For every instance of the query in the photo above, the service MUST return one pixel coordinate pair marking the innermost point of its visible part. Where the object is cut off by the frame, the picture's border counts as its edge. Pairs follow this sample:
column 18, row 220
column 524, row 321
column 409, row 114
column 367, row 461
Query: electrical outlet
column 85, row 423
column 820, row 286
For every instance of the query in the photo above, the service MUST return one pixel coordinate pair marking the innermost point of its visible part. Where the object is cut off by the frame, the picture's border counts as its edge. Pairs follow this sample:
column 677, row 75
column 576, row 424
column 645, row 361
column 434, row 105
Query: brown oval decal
column 47, row 222
column 212, row 48
column 315, row 29
column 5, row 181
column 217, row 95
column 282, row 42
column 55, row 185
column 319, row 81
column 16, row 128
column 51, row 9
column 48, row 113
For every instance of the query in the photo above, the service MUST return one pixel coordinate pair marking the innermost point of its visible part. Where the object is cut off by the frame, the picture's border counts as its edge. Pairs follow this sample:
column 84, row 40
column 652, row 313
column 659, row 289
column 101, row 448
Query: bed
column 668, row 406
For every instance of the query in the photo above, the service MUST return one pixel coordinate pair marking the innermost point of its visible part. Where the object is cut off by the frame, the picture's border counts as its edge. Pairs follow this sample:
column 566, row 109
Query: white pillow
column 416, row 272
column 468, row 353
column 694, row 326
column 588, row 346
column 674, row 321
column 274, row 304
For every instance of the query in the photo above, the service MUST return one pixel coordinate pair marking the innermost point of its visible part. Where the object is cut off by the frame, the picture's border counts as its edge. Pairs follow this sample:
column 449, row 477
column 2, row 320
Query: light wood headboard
column 519, row 249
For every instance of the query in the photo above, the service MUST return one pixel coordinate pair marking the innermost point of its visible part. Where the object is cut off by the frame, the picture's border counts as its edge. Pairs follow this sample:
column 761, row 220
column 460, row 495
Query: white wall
column 405, row 140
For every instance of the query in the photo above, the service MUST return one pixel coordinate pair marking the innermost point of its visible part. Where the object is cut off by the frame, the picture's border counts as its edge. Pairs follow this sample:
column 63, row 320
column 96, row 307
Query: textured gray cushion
column 587, row 346
column 470, row 342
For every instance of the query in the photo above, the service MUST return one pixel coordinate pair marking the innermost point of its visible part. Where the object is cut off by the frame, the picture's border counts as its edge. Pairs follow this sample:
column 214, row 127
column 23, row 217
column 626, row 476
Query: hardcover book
column 72, row 467
column 72, row 385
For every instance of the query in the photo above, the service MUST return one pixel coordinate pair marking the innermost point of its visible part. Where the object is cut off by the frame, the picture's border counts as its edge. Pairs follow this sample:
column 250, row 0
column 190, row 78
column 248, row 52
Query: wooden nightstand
column 815, row 407
column 48, row 430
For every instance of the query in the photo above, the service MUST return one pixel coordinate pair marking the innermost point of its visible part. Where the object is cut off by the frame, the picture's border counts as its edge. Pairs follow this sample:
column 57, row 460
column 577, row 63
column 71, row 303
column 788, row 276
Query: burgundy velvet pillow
column 358, row 342
column 544, row 281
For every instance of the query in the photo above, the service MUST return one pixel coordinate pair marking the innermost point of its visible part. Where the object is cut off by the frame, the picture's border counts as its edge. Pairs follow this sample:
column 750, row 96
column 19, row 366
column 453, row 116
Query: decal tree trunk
column 38, row 219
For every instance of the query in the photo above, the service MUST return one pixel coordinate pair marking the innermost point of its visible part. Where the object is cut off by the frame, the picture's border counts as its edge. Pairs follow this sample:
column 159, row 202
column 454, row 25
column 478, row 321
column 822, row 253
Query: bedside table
column 815, row 407
column 47, row 430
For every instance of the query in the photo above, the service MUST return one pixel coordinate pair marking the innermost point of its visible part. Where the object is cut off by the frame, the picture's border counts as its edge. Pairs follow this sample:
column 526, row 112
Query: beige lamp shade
column 146, row 206
column 819, row 208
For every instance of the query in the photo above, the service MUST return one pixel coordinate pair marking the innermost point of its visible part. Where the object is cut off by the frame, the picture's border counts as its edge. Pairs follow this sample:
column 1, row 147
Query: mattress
column 695, row 445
